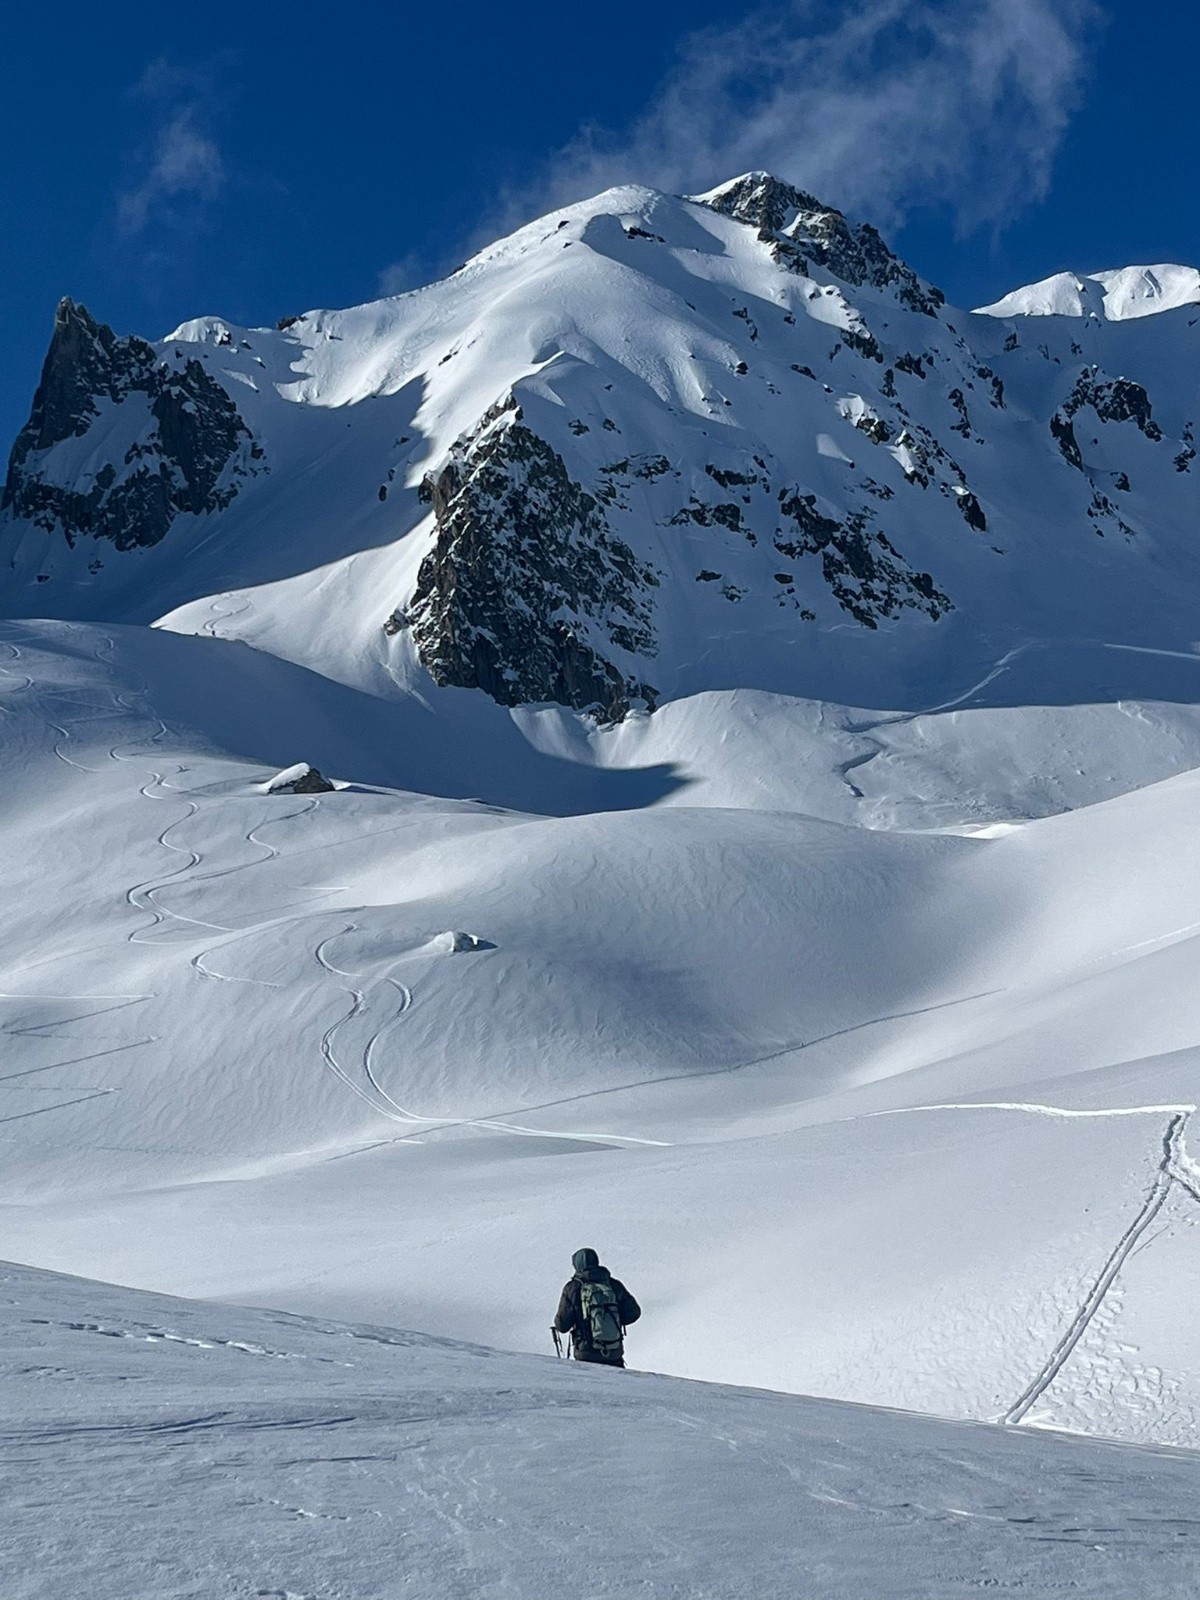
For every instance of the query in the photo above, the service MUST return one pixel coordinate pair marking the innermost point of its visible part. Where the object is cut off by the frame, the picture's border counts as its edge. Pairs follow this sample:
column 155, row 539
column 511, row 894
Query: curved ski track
column 141, row 896
column 390, row 1108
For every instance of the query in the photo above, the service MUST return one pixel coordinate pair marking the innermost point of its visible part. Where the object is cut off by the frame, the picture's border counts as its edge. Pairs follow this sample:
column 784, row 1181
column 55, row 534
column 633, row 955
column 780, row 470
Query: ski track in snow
column 781, row 1054
column 272, row 854
column 145, row 897
column 868, row 730
column 392, row 1109
column 1078, row 1326
column 141, row 896
column 1174, row 1166
column 26, row 683
column 328, row 1051
column 149, row 890
column 210, row 627
column 48, row 1030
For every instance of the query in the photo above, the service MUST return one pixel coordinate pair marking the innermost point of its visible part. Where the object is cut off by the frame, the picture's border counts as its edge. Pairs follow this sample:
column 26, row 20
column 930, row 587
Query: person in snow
column 595, row 1309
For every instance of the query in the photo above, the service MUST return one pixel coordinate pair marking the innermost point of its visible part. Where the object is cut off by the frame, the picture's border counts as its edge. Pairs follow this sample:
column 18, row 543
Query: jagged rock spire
column 187, row 457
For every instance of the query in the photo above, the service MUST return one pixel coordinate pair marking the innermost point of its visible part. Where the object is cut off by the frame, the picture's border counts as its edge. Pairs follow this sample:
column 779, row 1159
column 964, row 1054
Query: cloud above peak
column 878, row 106
column 180, row 171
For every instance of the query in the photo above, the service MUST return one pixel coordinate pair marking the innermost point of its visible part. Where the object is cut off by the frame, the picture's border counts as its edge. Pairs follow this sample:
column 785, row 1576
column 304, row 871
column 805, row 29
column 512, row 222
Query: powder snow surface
column 915, row 1097
column 158, row 1448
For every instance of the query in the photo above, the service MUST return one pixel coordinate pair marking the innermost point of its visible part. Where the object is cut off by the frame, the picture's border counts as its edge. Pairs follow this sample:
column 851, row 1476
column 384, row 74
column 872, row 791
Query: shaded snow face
column 642, row 448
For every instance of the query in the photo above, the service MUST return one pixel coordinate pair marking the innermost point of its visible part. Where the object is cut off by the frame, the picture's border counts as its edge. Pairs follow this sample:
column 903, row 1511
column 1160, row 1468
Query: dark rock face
column 189, row 451
column 864, row 571
column 1063, row 431
column 972, row 511
column 803, row 230
column 527, row 585
column 1113, row 400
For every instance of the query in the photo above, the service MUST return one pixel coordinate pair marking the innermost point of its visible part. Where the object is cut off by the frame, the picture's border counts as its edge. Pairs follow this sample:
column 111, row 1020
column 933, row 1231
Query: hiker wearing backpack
column 595, row 1309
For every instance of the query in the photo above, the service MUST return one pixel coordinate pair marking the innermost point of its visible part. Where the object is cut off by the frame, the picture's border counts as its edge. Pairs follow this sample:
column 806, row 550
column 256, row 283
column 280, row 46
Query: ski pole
column 557, row 1343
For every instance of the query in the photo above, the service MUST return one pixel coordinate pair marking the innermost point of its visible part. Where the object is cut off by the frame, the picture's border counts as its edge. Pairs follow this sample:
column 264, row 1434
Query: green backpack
column 602, row 1315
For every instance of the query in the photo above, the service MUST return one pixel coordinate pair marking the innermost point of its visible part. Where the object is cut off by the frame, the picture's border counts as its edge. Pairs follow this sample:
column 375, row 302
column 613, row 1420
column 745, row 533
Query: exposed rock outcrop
column 801, row 230
column 864, row 571
column 173, row 440
column 527, row 587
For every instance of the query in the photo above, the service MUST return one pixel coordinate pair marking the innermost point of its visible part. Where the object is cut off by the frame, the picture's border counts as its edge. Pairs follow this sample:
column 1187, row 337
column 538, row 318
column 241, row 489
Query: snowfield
column 902, row 1093
column 762, row 709
column 157, row 1448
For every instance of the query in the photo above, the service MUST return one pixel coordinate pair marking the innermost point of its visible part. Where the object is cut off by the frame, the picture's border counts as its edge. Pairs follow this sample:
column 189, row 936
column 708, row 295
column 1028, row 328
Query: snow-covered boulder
column 300, row 779
column 453, row 942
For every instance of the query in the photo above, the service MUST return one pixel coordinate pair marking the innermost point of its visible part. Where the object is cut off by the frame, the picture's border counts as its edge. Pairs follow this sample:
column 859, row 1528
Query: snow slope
column 250, row 1053
column 252, row 1453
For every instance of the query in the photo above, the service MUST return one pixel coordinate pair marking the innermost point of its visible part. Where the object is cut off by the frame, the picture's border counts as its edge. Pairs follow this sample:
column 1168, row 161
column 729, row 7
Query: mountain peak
column 636, row 422
column 760, row 198
column 802, row 230
column 1117, row 295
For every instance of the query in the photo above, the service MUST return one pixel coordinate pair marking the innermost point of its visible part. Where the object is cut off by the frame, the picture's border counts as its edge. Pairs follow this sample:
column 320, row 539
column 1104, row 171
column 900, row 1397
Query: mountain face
column 154, row 441
column 676, row 708
column 644, row 447
column 512, row 525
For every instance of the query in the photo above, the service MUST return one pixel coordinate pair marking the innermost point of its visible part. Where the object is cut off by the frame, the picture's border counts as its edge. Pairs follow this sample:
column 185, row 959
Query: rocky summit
column 645, row 446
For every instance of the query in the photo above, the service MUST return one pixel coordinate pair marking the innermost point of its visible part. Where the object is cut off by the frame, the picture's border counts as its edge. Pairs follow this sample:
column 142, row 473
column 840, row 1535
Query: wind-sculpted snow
column 1117, row 296
column 250, row 1454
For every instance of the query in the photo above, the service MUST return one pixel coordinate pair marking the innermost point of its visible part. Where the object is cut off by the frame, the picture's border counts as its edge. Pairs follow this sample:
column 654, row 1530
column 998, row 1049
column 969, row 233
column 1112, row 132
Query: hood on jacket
column 585, row 1260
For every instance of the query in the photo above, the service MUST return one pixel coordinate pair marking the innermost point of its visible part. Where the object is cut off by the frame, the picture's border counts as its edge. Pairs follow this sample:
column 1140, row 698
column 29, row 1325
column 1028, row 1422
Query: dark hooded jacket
column 570, row 1318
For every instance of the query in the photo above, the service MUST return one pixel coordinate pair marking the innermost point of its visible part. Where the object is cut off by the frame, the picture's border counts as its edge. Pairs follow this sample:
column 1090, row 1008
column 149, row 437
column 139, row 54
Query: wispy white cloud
column 179, row 172
column 878, row 106
column 408, row 272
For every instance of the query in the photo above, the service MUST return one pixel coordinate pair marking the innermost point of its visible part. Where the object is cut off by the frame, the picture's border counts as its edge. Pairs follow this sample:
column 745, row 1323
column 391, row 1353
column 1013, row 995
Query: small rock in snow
column 300, row 779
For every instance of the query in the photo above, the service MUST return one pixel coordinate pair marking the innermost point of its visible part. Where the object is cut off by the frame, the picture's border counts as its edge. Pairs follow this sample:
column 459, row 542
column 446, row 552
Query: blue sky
column 162, row 162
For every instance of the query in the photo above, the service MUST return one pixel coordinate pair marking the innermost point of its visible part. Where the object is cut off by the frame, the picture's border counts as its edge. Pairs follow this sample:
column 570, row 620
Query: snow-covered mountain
column 763, row 709
column 644, row 447
column 1112, row 296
